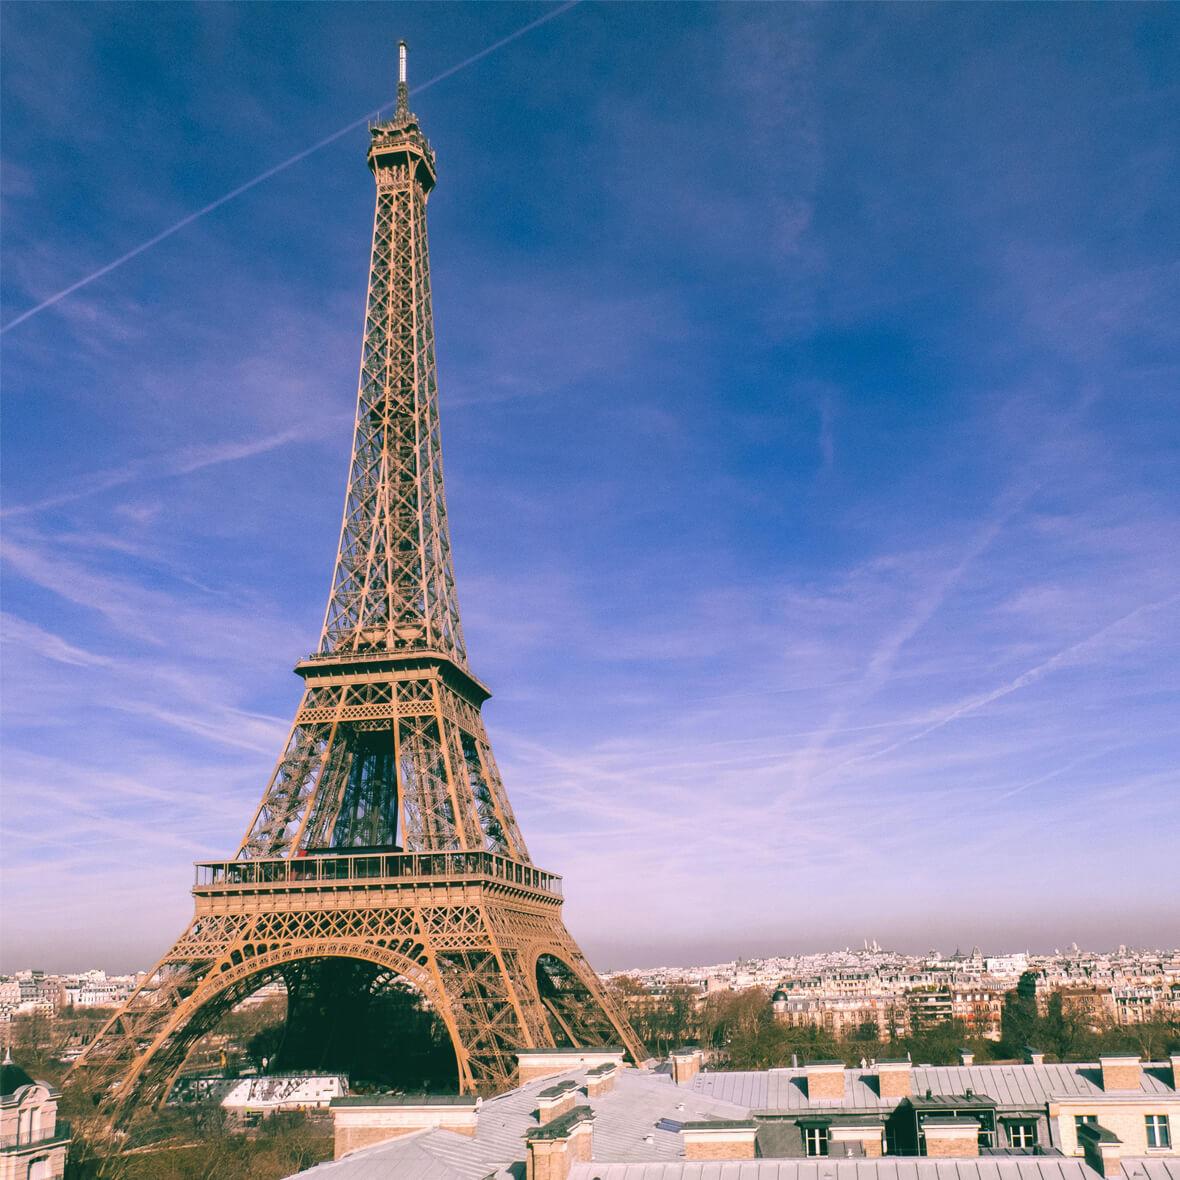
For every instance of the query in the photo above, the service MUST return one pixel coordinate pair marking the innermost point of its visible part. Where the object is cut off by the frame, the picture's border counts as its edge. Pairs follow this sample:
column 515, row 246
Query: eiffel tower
column 384, row 848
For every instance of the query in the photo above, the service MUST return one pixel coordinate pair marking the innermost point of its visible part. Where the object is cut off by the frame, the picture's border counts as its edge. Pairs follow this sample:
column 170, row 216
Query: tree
column 938, row 1045
column 1155, row 1037
column 673, row 1020
column 1018, row 1022
column 725, row 1015
column 866, row 1031
column 96, row 1153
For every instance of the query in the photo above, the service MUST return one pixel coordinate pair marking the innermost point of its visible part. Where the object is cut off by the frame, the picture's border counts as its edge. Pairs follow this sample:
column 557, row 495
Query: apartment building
column 34, row 1142
column 584, row 1115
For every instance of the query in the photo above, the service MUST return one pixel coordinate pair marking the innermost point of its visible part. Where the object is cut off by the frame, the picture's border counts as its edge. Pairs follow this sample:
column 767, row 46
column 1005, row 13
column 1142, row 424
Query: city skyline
column 810, row 512
column 812, row 952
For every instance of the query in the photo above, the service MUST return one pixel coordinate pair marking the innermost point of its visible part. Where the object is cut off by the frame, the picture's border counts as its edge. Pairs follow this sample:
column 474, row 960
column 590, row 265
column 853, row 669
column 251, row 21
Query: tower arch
column 241, row 972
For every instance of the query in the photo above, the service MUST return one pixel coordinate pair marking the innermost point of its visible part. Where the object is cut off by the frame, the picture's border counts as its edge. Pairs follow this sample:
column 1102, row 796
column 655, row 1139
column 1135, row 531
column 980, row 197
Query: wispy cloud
column 274, row 170
column 53, row 647
column 167, row 466
column 1088, row 647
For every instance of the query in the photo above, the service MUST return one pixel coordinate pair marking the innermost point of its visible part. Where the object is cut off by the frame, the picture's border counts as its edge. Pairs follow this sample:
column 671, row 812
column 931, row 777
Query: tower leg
column 497, row 977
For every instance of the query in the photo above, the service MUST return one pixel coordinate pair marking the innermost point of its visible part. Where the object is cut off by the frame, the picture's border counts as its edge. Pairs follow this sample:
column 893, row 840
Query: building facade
column 34, row 1142
column 581, row 1120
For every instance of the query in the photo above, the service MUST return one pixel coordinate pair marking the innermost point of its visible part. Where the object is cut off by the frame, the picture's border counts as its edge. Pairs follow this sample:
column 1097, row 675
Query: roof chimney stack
column 686, row 1064
column 893, row 1079
column 1102, row 1149
column 825, row 1081
column 720, row 1139
column 554, row 1148
column 1120, row 1072
column 951, row 1136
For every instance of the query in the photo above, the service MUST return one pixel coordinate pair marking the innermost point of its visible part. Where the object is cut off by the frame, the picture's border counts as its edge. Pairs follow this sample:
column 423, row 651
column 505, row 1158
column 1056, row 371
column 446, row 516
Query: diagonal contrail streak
column 242, row 188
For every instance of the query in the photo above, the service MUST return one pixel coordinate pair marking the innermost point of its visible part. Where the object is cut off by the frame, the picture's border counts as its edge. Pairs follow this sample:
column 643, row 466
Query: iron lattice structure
column 384, row 835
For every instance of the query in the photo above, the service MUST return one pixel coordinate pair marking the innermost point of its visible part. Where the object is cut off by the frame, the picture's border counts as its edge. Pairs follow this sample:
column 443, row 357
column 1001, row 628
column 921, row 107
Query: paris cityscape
column 963, row 1008
column 836, row 990
column 813, row 519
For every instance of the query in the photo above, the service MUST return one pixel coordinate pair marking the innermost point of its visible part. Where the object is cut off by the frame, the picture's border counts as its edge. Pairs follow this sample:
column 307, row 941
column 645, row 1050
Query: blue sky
column 809, row 395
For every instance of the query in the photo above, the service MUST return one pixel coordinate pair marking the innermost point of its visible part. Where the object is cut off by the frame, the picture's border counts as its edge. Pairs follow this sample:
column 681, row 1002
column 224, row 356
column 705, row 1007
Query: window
column 816, row 1140
column 1022, row 1134
column 1158, row 1134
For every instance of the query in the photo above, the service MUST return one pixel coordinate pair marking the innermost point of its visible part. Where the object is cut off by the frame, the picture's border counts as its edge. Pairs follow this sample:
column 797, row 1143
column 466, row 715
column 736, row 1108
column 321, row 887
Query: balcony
column 321, row 871
column 24, row 1141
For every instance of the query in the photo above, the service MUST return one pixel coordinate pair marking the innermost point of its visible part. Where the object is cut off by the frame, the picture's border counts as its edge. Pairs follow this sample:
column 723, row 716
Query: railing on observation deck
column 373, row 867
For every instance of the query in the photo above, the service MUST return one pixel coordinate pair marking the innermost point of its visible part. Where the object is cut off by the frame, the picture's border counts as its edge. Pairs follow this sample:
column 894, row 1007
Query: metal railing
column 61, row 1131
column 372, row 867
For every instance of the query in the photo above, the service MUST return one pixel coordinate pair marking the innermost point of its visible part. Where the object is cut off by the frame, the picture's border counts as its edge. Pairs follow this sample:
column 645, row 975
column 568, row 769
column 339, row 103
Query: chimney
column 1102, row 1149
column 966, row 1057
column 555, row 1101
column 554, row 1148
column 1175, row 1060
column 360, row 1121
column 865, row 1136
column 1120, row 1072
column 947, row 1137
column 893, row 1079
column 1033, row 1056
column 722, row 1139
column 686, row 1064
column 601, row 1079
column 825, row 1081
column 546, row 1063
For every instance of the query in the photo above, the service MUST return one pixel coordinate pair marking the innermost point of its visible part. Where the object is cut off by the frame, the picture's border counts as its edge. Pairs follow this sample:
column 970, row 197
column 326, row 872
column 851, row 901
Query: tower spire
column 403, row 89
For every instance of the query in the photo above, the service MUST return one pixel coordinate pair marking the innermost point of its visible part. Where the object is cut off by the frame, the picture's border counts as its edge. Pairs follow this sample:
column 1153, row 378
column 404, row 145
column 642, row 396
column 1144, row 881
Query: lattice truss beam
column 394, row 584
column 501, row 976
column 386, row 761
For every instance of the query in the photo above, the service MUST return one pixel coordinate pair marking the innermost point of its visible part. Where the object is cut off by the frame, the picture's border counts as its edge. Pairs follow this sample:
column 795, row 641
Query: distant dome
column 780, row 996
column 12, row 1078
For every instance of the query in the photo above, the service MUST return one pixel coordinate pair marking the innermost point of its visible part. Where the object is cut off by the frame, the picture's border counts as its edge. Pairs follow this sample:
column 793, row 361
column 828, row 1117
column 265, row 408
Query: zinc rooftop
column 585, row 1115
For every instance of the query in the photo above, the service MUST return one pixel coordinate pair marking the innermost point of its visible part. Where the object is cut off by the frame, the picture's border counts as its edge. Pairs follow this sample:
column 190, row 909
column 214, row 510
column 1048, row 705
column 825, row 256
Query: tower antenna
column 403, row 90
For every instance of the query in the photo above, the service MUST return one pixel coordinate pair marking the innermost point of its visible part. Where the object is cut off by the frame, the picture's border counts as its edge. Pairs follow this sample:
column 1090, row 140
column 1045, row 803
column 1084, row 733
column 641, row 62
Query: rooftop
column 561, row 1126
column 892, row 1168
column 558, row 1090
column 958, row 1100
column 1005, row 1085
column 12, row 1078
column 570, row 1052
column 406, row 1100
column 625, row 1128
column 639, row 1123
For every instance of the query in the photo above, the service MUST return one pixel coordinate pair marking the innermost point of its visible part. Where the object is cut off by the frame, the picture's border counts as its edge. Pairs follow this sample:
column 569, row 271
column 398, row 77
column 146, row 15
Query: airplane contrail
column 242, row 188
